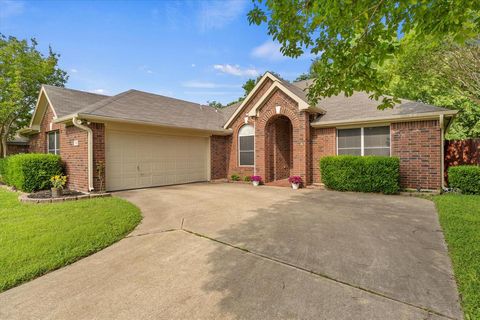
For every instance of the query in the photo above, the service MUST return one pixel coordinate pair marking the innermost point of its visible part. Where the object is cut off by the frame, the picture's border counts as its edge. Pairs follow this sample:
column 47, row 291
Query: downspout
column 78, row 123
column 442, row 151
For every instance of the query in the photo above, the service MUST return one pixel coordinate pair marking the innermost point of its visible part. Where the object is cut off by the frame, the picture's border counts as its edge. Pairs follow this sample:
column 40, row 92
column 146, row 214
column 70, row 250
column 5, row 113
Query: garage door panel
column 137, row 160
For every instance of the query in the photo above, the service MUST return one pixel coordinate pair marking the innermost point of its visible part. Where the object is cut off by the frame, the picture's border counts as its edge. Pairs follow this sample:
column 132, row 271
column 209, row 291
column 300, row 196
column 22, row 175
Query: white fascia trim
column 42, row 91
column 111, row 119
column 249, row 96
column 394, row 118
column 302, row 105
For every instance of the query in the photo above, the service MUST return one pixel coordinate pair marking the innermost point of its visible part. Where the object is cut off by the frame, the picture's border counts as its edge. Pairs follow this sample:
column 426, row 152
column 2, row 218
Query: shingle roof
column 156, row 109
column 228, row 111
column 67, row 101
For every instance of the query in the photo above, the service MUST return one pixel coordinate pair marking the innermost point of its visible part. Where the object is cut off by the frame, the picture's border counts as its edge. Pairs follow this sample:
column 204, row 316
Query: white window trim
column 56, row 149
column 362, row 141
column 238, row 147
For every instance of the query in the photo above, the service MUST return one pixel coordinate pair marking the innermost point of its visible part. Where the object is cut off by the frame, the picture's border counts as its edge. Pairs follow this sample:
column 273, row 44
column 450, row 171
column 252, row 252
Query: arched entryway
column 278, row 148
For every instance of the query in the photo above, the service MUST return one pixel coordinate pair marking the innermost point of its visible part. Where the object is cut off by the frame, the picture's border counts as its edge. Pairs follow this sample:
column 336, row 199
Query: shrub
column 32, row 172
column 363, row 174
column 235, row 177
column 2, row 166
column 465, row 178
column 247, row 179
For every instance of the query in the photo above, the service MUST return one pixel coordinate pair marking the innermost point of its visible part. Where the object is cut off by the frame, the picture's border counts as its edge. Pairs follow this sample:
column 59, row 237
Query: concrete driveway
column 232, row 251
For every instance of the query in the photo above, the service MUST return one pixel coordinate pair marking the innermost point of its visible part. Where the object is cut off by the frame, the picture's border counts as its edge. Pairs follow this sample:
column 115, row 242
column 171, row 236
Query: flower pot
column 57, row 192
column 256, row 183
column 295, row 186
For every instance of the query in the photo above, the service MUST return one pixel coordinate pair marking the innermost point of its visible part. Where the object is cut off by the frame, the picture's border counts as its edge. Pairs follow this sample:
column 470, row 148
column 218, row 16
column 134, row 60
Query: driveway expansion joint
column 315, row 273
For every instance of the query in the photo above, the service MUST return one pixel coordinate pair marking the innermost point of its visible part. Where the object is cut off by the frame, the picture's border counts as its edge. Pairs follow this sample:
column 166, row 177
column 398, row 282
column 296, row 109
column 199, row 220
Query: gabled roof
column 139, row 106
column 67, row 101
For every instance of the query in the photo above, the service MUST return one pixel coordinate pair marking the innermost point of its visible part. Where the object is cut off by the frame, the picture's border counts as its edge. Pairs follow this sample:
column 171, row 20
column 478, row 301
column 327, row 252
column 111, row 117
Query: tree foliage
column 444, row 74
column 354, row 38
column 215, row 104
column 23, row 69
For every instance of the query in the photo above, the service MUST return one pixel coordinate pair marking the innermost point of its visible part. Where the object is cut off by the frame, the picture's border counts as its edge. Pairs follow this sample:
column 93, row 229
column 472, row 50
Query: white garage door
column 139, row 160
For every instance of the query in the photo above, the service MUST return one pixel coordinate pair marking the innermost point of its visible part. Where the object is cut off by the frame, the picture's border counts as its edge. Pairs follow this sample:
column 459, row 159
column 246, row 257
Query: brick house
column 144, row 140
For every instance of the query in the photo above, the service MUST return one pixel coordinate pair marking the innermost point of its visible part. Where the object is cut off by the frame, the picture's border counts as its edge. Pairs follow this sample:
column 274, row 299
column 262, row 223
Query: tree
column 354, row 38
column 23, row 69
column 443, row 74
column 215, row 104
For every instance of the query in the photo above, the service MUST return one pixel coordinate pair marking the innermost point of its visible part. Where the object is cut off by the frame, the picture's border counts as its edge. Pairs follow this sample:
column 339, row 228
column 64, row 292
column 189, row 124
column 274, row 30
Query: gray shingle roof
column 156, row 109
column 67, row 101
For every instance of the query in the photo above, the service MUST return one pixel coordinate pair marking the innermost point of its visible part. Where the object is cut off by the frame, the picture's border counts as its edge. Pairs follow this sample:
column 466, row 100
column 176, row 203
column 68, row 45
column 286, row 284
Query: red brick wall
column 17, row 148
column 218, row 156
column 323, row 143
column 74, row 157
column 232, row 141
column 300, row 136
column 418, row 145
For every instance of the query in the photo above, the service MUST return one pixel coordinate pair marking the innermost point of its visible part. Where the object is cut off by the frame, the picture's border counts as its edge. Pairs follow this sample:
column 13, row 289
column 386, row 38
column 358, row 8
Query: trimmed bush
column 465, row 178
column 362, row 174
column 2, row 166
column 31, row 172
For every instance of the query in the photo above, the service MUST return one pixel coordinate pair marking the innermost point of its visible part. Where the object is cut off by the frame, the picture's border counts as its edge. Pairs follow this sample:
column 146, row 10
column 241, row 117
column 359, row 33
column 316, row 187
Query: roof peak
column 75, row 90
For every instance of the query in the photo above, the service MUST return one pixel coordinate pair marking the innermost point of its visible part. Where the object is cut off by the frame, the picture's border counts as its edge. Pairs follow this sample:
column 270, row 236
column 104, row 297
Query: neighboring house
column 17, row 145
column 147, row 140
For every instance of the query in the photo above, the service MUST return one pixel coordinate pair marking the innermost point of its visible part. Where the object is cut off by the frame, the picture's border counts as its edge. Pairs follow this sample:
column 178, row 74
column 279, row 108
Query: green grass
column 38, row 238
column 460, row 220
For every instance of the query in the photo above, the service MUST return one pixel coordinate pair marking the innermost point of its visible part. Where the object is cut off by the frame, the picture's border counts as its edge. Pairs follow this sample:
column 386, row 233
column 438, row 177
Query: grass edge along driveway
column 38, row 238
column 460, row 219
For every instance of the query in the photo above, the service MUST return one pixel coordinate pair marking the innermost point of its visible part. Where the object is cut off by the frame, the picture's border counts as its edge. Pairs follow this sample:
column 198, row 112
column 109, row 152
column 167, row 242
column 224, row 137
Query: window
column 364, row 141
column 246, row 145
column 54, row 142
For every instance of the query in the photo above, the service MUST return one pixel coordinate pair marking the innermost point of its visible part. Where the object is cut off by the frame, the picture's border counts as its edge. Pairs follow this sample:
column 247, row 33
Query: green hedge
column 2, row 165
column 31, row 172
column 363, row 174
column 465, row 178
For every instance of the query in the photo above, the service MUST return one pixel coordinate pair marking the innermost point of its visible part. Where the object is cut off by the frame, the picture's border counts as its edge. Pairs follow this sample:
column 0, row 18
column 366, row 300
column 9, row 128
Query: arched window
column 246, row 145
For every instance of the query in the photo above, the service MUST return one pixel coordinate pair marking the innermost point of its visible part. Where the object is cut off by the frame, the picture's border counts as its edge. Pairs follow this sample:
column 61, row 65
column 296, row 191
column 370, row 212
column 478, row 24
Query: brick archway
column 278, row 148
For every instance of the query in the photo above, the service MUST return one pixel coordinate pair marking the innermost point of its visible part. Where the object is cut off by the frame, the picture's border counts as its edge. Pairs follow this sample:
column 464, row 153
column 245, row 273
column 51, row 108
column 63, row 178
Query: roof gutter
column 393, row 118
column 78, row 123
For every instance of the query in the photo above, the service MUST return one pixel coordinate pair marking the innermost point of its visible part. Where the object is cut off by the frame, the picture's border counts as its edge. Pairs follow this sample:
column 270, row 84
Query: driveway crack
column 315, row 273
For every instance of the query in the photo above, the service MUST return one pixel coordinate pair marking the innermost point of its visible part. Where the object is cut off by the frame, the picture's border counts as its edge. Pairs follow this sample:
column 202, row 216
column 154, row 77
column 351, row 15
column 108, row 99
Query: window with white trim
column 246, row 145
column 53, row 142
column 365, row 141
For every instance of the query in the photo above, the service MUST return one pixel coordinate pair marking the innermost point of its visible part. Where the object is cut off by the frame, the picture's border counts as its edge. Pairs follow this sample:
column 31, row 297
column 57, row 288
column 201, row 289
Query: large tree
column 444, row 74
column 23, row 69
column 354, row 38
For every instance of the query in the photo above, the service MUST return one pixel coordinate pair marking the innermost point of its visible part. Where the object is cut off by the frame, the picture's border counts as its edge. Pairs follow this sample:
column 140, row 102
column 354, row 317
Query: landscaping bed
column 36, row 239
column 460, row 219
column 47, row 194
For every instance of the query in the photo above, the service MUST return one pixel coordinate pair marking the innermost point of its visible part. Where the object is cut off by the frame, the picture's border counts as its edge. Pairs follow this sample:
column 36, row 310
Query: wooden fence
column 460, row 152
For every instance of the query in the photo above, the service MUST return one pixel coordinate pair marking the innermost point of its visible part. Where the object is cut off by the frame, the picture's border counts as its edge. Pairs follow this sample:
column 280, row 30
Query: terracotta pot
column 295, row 186
column 57, row 192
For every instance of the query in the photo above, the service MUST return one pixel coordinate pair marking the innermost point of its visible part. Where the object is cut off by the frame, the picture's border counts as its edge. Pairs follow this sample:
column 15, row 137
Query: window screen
column 54, row 142
column 246, row 146
column 350, row 141
column 376, row 141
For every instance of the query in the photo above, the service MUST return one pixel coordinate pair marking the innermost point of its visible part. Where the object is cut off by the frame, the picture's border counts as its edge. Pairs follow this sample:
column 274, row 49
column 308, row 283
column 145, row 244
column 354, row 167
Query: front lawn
column 38, row 238
column 460, row 220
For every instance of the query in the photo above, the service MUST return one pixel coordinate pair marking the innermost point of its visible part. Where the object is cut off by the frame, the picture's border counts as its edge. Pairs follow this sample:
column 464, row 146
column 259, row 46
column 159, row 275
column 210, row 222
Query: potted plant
column 296, row 181
column 256, row 180
column 58, row 182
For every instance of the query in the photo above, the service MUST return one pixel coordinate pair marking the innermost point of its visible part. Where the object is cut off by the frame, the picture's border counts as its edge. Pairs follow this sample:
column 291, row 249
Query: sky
column 193, row 50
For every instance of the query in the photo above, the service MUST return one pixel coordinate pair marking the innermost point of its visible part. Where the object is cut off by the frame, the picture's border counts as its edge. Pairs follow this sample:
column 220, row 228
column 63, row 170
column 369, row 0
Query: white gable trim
column 37, row 106
column 302, row 105
column 249, row 96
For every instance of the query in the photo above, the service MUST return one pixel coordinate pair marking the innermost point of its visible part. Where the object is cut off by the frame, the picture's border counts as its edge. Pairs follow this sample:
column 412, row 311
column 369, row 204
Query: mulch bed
column 47, row 194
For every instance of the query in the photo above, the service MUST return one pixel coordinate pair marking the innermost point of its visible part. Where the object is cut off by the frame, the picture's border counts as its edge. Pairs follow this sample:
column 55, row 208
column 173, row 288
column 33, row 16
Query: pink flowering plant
column 295, row 180
column 256, row 178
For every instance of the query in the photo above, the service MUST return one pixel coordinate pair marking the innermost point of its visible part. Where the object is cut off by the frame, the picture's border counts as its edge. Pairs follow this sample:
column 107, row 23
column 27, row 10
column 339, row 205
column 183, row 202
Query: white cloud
column 193, row 65
column 145, row 69
column 208, row 85
column 9, row 8
column 99, row 91
column 217, row 14
column 268, row 50
column 236, row 70
column 73, row 70
column 213, row 93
